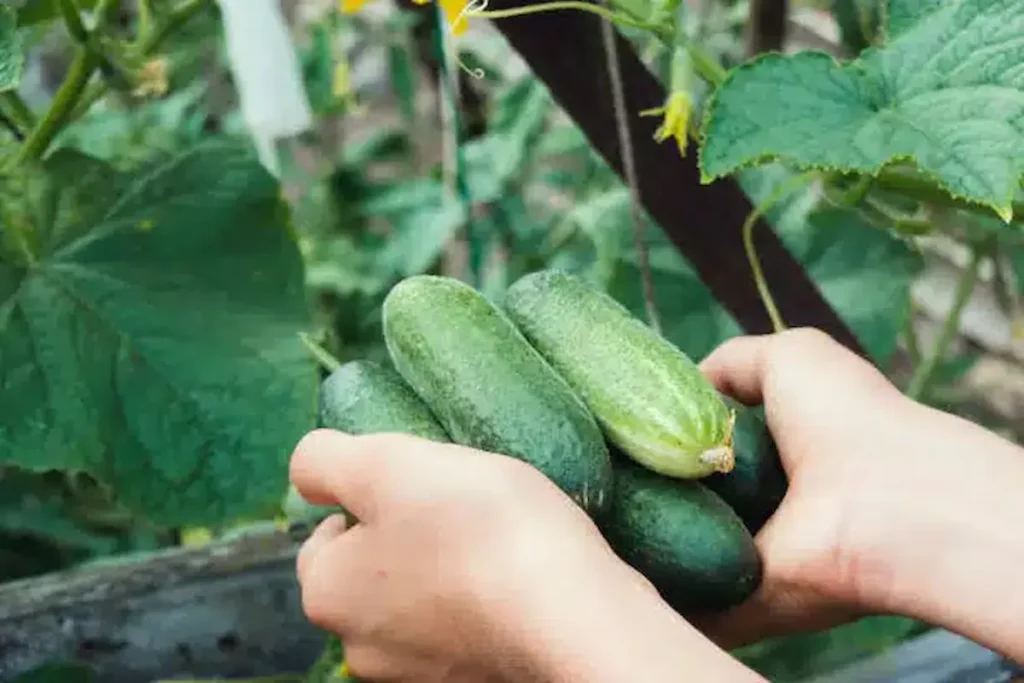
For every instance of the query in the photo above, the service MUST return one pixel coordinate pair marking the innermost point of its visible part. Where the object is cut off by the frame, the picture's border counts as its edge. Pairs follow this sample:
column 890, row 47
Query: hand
column 892, row 507
column 469, row 566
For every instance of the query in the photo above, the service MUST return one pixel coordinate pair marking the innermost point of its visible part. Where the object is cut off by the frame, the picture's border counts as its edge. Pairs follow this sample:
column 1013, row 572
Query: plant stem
column 319, row 353
column 176, row 18
column 17, row 110
column 8, row 123
column 147, row 45
column 629, row 169
column 67, row 97
column 748, row 244
column 704, row 63
column 964, row 288
column 475, row 234
column 614, row 17
column 73, row 21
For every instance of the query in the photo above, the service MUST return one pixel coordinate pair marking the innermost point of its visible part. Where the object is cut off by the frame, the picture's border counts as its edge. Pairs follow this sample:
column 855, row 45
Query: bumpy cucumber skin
column 490, row 389
column 756, row 486
column 364, row 397
column 686, row 540
column 650, row 399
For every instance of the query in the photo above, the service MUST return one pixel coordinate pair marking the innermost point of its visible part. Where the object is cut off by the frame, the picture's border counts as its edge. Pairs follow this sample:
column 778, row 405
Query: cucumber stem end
column 720, row 457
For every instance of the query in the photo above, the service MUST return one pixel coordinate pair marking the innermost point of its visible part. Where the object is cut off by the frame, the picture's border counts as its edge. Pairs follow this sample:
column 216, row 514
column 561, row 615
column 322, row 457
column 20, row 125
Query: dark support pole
column 564, row 51
column 767, row 26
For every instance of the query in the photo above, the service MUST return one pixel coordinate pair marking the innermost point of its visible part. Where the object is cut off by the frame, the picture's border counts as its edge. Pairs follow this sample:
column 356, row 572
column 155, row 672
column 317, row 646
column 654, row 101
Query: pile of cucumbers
column 677, row 476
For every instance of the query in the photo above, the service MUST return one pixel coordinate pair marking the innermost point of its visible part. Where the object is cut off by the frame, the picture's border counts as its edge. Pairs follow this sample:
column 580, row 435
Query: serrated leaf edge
column 1003, row 210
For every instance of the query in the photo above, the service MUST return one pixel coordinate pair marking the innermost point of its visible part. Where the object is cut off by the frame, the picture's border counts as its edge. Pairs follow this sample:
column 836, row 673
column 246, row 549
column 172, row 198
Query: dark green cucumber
column 489, row 388
column 365, row 397
column 650, row 399
column 682, row 537
column 757, row 484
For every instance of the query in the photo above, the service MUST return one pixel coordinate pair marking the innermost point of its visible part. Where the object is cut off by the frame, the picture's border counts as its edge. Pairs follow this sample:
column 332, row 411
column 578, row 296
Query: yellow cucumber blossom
column 679, row 104
column 454, row 11
column 676, row 121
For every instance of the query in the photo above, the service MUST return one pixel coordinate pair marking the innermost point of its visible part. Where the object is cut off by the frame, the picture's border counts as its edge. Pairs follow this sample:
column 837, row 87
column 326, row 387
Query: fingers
column 741, row 366
column 331, row 578
column 359, row 473
column 329, row 529
column 737, row 367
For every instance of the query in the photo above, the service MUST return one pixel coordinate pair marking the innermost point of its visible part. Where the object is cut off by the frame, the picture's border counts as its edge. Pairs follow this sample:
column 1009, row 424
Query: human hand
column 880, row 489
column 469, row 566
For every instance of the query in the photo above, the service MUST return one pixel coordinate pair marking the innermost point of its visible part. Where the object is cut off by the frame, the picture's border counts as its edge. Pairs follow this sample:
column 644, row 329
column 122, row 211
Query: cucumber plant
column 149, row 316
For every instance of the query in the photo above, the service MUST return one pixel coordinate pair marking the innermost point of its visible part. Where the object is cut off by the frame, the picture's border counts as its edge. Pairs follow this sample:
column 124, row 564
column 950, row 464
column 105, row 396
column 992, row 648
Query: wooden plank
column 229, row 609
column 564, row 50
column 233, row 610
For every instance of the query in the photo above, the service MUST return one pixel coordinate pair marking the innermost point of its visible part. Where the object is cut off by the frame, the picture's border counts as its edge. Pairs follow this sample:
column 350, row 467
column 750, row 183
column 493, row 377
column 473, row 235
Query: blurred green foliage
column 377, row 204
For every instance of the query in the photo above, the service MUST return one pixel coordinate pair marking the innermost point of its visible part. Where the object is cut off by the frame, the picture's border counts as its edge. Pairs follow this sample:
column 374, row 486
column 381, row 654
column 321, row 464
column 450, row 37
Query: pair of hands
column 470, row 566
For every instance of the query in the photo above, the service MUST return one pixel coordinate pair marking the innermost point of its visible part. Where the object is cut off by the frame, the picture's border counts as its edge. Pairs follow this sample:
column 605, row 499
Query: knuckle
column 805, row 337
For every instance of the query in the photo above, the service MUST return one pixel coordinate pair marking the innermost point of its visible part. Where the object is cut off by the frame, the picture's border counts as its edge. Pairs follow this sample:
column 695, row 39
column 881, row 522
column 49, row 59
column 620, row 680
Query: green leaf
column 901, row 15
column 499, row 158
column 424, row 216
column 36, row 11
column 12, row 54
column 805, row 656
column 31, row 507
column 154, row 330
column 947, row 94
column 58, row 673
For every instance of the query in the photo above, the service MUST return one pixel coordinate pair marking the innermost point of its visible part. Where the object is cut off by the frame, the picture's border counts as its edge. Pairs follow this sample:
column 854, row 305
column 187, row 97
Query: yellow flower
column 454, row 11
column 676, row 121
column 340, row 83
column 350, row 6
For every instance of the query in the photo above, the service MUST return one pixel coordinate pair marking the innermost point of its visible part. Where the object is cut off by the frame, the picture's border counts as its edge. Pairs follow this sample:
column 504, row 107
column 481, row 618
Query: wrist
column 951, row 550
column 619, row 628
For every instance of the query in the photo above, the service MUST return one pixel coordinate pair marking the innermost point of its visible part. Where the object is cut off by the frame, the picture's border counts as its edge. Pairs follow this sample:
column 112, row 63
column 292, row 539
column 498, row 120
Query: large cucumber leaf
column 149, row 332
column 900, row 15
column 946, row 93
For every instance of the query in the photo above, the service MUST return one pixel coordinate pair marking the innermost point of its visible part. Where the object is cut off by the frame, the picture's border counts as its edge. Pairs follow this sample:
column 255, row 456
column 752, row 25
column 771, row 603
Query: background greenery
column 162, row 293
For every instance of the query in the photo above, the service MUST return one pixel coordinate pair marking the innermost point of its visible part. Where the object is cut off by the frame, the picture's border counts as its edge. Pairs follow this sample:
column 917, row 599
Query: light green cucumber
column 650, row 399
column 490, row 389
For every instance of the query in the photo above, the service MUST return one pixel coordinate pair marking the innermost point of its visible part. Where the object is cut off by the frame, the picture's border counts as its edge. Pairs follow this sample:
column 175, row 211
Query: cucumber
column 489, row 388
column 682, row 537
column 364, row 397
column 756, row 486
column 650, row 399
